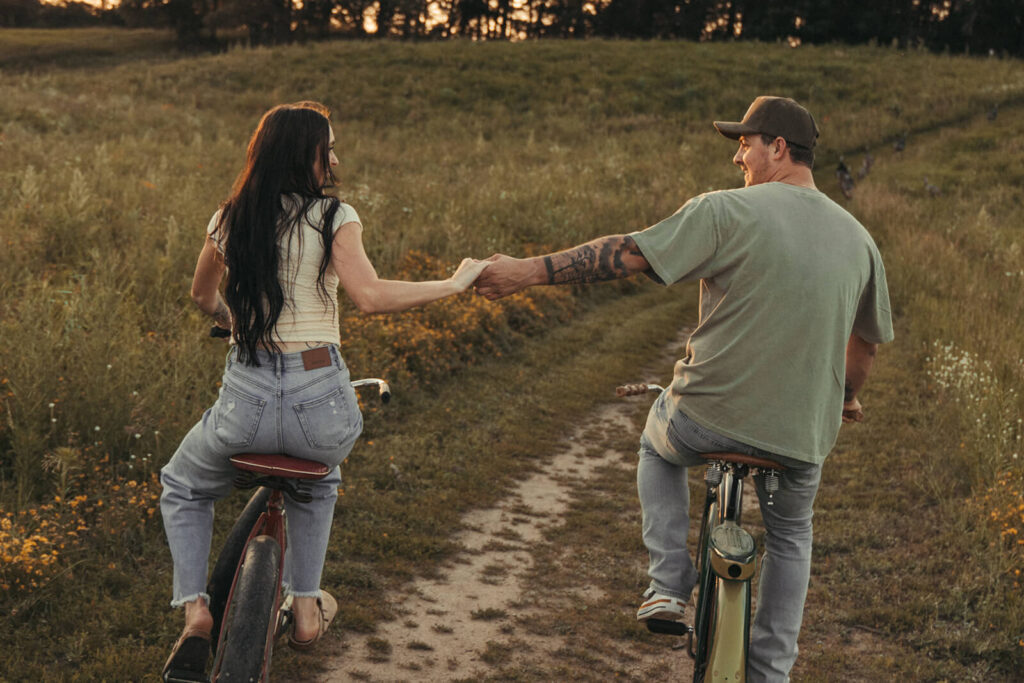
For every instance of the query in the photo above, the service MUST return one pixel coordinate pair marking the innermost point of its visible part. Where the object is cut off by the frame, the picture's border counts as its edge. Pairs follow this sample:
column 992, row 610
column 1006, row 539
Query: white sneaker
column 659, row 606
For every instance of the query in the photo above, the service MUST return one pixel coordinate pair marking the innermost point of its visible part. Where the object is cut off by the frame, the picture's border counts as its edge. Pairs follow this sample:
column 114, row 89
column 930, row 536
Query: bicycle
column 245, row 585
column 726, row 558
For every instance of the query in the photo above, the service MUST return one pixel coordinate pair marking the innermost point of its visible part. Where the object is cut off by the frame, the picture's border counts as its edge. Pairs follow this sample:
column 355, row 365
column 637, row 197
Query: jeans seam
column 311, row 383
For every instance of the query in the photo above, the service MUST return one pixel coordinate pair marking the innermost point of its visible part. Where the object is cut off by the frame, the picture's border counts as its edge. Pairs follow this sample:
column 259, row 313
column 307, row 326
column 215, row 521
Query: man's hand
column 505, row 275
column 853, row 411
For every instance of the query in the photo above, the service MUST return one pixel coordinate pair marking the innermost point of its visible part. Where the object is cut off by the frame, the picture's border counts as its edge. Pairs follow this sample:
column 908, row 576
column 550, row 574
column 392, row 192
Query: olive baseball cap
column 779, row 117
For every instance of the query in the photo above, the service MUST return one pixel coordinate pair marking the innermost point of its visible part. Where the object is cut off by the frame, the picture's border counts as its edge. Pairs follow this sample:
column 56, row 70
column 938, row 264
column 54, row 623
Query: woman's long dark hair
column 289, row 154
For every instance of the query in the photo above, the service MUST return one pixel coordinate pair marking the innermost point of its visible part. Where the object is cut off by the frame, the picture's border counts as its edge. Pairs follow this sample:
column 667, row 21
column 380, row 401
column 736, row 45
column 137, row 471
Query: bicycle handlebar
column 382, row 387
column 636, row 389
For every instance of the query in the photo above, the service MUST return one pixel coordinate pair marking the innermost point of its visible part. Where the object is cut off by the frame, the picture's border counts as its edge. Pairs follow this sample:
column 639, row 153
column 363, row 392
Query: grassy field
column 82, row 47
column 111, row 169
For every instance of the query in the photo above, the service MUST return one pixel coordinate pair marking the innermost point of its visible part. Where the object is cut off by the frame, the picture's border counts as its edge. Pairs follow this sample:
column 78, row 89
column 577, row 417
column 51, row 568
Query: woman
column 285, row 246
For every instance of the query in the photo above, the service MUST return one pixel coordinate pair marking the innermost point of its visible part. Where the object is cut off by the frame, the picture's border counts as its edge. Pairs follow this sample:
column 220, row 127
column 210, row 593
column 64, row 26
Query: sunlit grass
column 108, row 175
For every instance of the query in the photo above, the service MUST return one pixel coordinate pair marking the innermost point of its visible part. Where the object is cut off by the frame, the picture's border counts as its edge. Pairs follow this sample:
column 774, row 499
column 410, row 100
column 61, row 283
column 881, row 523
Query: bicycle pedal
column 666, row 627
column 285, row 619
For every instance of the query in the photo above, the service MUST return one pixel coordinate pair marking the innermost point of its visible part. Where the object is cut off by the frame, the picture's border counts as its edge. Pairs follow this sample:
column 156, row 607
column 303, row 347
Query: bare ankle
column 198, row 616
column 307, row 617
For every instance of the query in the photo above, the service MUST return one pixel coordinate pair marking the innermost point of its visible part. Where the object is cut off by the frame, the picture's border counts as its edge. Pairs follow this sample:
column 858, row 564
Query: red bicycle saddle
column 280, row 465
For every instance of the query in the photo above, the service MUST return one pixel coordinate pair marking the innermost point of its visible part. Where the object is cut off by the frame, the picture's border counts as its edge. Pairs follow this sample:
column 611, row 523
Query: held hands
column 853, row 411
column 495, row 277
column 468, row 271
column 504, row 276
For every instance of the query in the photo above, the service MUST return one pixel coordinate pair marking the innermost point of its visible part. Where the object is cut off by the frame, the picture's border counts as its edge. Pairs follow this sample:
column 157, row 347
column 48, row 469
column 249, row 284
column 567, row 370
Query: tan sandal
column 328, row 609
column 188, row 657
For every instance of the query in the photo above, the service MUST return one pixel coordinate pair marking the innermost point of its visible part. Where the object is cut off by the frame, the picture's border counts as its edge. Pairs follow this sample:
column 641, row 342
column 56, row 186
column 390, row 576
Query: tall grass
column 949, row 430
column 109, row 174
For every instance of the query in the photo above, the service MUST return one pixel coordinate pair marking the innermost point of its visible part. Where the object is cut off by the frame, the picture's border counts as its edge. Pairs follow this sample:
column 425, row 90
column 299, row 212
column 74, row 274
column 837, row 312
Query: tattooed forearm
column 848, row 392
column 597, row 261
column 222, row 316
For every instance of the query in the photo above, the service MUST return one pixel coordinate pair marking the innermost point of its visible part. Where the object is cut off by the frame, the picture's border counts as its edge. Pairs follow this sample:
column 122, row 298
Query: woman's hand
column 469, row 270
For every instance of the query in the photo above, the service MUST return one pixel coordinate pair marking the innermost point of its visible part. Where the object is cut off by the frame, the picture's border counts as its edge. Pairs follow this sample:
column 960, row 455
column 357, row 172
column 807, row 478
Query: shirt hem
column 756, row 443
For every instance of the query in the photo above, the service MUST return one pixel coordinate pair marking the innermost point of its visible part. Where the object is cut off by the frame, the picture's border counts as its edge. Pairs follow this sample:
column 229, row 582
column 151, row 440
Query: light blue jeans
column 786, row 568
column 278, row 407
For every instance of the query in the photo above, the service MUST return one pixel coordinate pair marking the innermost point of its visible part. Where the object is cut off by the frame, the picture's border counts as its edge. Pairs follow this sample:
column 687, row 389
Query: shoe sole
column 657, row 610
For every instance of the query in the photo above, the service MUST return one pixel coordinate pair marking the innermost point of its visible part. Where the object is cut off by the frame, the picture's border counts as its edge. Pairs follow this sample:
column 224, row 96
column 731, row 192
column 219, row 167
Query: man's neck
column 795, row 174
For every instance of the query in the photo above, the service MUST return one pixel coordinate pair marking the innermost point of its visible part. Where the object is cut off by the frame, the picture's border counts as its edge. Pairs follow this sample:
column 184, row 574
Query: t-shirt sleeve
column 873, row 322
column 682, row 246
column 211, row 229
column 345, row 214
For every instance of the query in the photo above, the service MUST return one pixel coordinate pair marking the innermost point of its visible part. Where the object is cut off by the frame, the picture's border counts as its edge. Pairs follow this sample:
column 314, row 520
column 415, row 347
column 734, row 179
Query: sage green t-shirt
column 786, row 275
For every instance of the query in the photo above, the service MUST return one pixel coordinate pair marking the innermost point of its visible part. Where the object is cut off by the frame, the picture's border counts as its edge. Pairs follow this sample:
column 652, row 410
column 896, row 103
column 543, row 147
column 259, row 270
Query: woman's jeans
column 786, row 569
column 279, row 407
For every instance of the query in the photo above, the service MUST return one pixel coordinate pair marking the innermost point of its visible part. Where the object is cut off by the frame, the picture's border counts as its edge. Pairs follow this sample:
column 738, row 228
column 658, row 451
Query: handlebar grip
column 631, row 390
column 217, row 331
column 382, row 387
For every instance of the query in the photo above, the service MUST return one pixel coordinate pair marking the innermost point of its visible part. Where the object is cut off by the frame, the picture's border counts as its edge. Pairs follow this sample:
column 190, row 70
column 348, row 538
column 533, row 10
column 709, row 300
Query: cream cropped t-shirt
column 305, row 317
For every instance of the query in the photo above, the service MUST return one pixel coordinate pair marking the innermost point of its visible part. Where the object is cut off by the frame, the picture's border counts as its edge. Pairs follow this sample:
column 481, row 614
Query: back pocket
column 236, row 416
column 327, row 421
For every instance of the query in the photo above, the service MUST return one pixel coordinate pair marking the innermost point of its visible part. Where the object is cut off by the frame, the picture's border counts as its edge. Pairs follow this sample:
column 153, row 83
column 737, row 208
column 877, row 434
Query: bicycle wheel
column 243, row 653
column 707, row 591
column 223, row 574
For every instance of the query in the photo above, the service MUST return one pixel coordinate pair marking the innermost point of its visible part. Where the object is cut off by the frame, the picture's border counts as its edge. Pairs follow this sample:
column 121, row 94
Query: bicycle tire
column 223, row 575
column 244, row 650
column 706, row 596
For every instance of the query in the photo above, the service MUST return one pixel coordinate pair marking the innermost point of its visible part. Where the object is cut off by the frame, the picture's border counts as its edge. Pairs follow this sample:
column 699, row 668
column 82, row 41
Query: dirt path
column 444, row 625
column 447, row 628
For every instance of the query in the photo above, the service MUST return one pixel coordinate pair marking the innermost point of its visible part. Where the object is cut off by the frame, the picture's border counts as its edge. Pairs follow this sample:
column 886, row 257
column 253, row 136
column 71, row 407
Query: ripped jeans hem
column 180, row 602
column 287, row 590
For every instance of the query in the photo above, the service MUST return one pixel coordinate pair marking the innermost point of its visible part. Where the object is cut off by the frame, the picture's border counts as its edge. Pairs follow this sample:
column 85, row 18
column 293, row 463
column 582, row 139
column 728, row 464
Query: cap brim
column 732, row 129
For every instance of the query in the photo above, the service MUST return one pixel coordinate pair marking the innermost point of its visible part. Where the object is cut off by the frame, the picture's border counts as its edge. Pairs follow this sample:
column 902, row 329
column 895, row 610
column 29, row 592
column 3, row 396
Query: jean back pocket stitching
column 304, row 410
column 257, row 405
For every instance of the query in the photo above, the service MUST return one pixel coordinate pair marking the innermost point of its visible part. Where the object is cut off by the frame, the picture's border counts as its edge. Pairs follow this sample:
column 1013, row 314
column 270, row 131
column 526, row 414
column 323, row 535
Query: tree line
column 961, row 26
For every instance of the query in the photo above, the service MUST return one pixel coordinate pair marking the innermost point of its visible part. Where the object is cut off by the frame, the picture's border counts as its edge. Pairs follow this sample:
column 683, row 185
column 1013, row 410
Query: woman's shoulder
column 322, row 208
column 345, row 214
column 211, row 227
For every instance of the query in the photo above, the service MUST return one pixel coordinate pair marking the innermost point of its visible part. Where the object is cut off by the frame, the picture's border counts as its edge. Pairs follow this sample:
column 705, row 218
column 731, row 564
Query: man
column 793, row 301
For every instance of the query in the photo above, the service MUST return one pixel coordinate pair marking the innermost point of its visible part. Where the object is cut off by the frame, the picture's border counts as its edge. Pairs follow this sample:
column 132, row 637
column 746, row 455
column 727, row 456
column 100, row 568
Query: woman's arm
column 206, row 282
column 370, row 294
